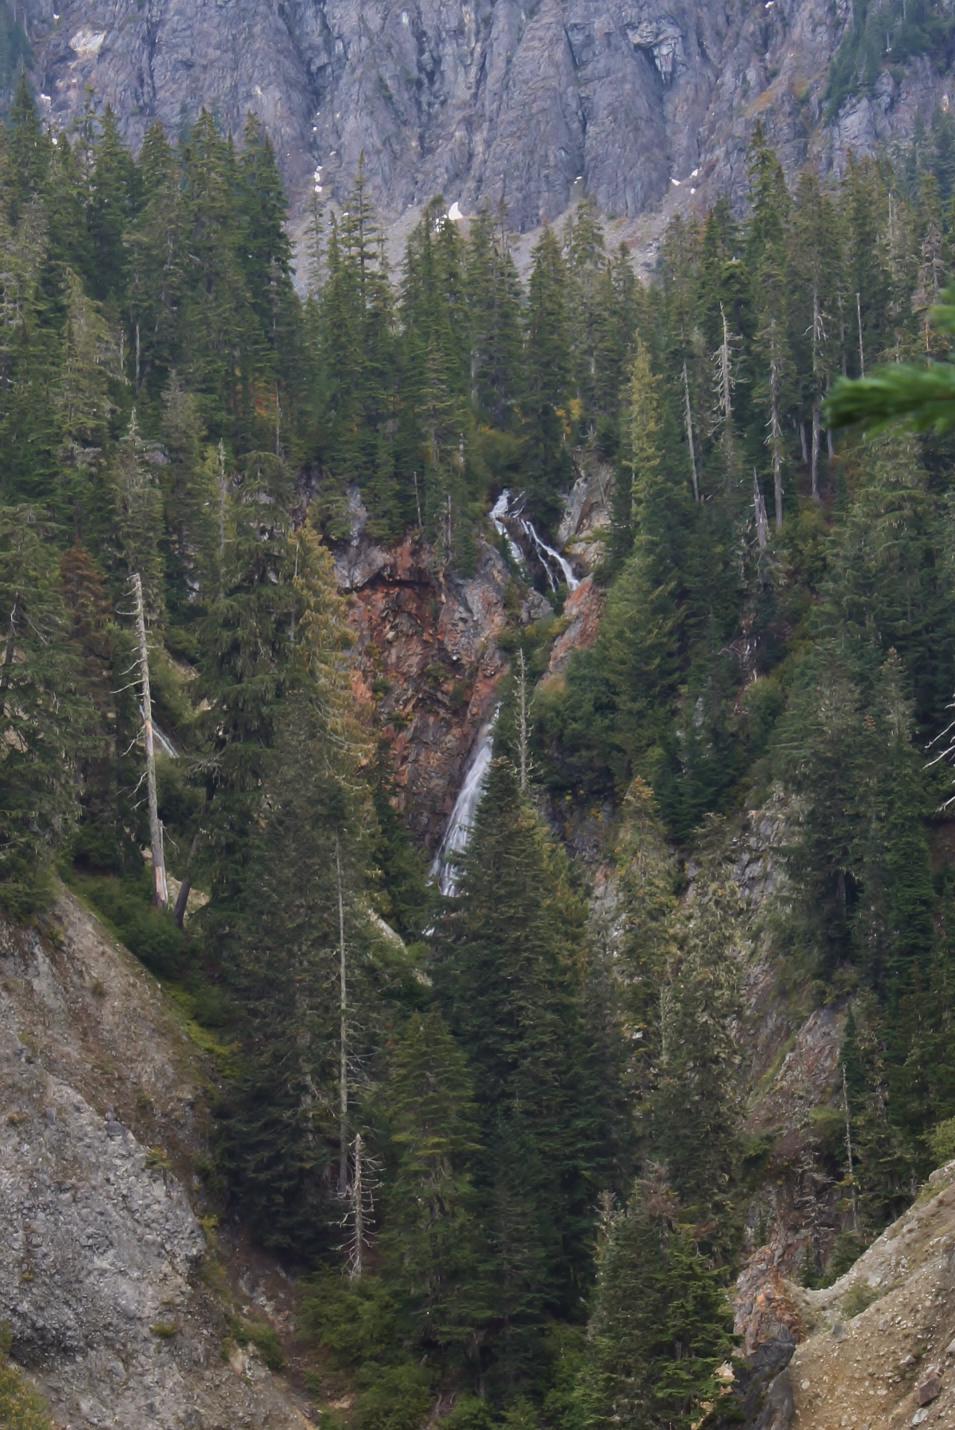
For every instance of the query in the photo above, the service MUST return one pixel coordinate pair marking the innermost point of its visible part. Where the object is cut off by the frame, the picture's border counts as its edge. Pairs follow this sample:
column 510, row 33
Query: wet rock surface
column 430, row 660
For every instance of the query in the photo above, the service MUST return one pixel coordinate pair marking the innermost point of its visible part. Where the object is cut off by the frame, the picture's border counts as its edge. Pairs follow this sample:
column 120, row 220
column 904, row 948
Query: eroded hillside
column 116, row 1302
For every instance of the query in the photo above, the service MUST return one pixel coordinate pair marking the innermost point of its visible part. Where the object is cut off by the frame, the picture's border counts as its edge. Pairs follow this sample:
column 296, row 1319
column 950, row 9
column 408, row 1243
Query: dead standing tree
column 141, row 685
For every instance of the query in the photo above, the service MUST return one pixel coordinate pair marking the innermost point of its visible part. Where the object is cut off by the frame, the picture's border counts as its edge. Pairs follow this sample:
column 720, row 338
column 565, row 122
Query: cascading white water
column 444, row 870
column 499, row 511
column 164, row 744
column 548, row 557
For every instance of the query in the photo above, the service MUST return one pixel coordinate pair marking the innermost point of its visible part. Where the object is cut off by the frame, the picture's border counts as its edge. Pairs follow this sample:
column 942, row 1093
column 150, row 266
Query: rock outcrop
column 428, row 649
column 490, row 102
column 877, row 1348
column 103, row 1278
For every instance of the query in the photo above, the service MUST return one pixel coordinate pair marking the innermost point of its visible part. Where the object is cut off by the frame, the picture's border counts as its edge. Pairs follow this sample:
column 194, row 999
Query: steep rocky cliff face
column 877, row 1348
column 112, row 1297
column 429, row 658
column 431, row 647
column 525, row 103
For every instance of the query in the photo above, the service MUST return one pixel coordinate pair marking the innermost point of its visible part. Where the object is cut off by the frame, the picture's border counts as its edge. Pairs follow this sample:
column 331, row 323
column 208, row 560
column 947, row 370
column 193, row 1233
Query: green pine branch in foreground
column 920, row 396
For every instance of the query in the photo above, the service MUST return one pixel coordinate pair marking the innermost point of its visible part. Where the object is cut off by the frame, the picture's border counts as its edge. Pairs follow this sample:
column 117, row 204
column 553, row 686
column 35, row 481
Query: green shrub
column 523, row 1416
column 941, row 1141
column 398, row 1397
column 265, row 1340
column 828, row 1127
column 356, row 1322
column 469, row 1413
column 848, row 1247
column 148, row 933
column 21, row 1407
column 859, row 1297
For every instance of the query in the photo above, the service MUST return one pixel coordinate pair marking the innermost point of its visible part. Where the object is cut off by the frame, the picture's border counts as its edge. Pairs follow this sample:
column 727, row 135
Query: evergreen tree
column 84, row 401
column 511, row 952
column 190, row 496
column 103, row 758
column 432, row 1250
column 158, row 263
column 547, row 377
column 216, row 325
column 641, row 639
column 693, row 1111
column 246, row 654
column 300, row 936
column 494, row 309
column 28, row 148
column 112, row 202
column 659, row 1329
column 40, row 720
column 138, row 518
column 357, row 364
column 647, row 936
column 586, row 264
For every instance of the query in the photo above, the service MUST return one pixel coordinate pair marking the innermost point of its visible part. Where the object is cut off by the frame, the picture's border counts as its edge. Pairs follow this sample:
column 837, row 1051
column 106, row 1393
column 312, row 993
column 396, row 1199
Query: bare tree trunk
column 523, row 734
column 776, row 434
column 358, row 1211
column 185, row 888
column 690, row 438
column 724, row 398
column 342, row 1031
column 762, row 520
column 9, row 651
column 222, row 485
column 851, row 1159
column 160, row 888
column 726, row 369
column 814, row 458
column 861, row 344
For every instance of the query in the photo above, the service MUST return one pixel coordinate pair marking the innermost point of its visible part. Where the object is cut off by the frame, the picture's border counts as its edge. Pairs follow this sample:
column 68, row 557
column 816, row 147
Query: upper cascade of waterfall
column 499, row 511
column 553, row 561
column 445, row 870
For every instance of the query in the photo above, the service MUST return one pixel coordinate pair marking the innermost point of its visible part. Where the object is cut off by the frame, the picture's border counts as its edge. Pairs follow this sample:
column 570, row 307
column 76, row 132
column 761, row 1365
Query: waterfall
column 548, row 557
column 499, row 511
column 164, row 744
column 444, row 870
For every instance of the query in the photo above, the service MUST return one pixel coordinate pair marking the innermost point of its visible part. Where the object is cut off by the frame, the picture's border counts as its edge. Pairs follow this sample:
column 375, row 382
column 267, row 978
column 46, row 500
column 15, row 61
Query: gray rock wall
column 101, row 1271
column 495, row 101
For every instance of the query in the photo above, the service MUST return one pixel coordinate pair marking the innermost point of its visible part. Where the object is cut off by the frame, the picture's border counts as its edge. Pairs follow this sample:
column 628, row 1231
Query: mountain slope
column 878, row 1352
column 102, row 1286
column 502, row 103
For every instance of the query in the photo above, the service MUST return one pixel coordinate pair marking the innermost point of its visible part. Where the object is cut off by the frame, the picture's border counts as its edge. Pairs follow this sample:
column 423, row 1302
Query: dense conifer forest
column 507, row 1169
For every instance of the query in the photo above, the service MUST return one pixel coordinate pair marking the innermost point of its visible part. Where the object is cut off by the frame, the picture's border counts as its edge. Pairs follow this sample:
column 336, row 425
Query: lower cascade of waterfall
column 508, row 509
column 163, row 743
column 444, row 870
